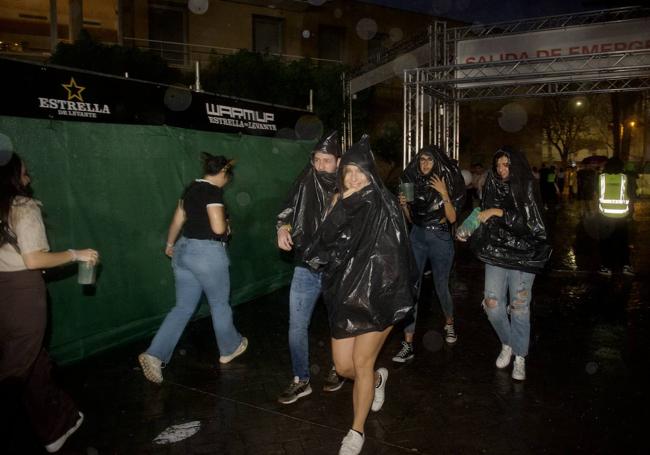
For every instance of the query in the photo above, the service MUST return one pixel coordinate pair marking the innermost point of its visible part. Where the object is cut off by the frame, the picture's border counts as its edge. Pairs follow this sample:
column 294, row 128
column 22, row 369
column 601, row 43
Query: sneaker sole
column 146, row 371
column 297, row 397
column 334, row 388
column 56, row 445
column 451, row 341
column 402, row 359
column 377, row 408
column 239, row 351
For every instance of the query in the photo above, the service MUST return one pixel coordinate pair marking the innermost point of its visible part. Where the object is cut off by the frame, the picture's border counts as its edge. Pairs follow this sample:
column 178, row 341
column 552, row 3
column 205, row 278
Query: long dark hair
column 10, row 187
column 520, row 174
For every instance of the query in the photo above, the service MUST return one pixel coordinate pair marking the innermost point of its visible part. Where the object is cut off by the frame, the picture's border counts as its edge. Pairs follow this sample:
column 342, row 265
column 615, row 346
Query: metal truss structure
column 432, row 94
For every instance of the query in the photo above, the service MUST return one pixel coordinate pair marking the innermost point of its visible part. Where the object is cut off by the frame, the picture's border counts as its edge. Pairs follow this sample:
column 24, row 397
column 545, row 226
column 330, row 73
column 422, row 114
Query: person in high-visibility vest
column 615, row 213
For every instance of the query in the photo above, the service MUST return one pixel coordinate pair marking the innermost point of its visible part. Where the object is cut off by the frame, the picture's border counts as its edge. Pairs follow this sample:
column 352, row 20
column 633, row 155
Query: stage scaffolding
column 433, row 93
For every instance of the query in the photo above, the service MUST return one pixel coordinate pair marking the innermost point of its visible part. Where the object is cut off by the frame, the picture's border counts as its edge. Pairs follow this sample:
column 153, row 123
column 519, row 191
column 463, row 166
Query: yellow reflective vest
column 613, row 201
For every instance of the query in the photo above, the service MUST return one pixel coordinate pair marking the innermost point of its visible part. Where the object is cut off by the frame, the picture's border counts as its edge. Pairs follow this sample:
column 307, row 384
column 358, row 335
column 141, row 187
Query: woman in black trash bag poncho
column 369, row 277
column 513, row 244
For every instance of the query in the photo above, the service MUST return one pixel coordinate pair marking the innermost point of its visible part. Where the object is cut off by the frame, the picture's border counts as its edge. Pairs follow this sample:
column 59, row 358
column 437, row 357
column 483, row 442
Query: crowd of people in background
column 354, row 243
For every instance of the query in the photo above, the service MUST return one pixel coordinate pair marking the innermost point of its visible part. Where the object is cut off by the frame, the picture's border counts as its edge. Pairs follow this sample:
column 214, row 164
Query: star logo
column 74, row 90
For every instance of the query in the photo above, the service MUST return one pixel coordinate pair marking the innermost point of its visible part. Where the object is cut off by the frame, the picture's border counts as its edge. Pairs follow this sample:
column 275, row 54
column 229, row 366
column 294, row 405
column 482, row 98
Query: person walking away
column 200, row 263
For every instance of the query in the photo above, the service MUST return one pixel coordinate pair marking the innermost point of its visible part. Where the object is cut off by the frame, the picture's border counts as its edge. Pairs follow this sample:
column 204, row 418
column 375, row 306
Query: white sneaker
column 352, row 443
column 239, row 351
column 628, row 270
column 151, row 367
column 504, row 356
column 56, row 445
column 450, row 334
column 380, row 390
column 519, row 369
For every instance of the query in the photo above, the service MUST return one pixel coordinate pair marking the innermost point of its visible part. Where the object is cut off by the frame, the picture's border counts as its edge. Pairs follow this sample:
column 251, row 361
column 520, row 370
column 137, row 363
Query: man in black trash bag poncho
column 302, row 214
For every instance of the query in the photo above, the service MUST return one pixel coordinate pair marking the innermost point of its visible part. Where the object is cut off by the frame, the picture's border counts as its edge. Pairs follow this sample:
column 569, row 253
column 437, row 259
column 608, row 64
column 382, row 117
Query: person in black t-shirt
column 200, row 264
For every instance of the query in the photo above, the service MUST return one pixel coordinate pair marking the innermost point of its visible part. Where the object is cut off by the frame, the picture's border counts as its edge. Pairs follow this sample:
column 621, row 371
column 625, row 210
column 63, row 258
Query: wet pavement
column 586, row 389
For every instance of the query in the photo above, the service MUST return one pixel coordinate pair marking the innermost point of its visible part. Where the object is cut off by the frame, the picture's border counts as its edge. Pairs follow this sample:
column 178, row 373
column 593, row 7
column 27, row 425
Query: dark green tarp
column 114, row 187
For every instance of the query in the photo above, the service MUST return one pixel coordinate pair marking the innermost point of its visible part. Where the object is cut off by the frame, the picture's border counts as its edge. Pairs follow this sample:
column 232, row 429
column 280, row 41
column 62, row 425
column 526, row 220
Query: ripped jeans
column 509, row 318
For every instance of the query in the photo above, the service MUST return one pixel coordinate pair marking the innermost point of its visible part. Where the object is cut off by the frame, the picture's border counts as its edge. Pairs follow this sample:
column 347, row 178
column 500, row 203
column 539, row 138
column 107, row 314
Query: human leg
column 420, row 249
column 495, row 303
column 365, row 351
column 520, row 285
column 305, row 289
column 420, row 252
column 188, row 293
column 210, row 265
column 441, row 257
column 23, row 361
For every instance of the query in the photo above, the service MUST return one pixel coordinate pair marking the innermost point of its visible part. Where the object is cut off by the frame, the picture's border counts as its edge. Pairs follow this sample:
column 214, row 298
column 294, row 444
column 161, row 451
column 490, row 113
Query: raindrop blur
column 316, row 2
column 275, row 150
column 366, row 28
column 198, row 6
column 432, row 341
column 395, row 34
column 314, row 370
column 286, row 133
column 404, row 61
column 243, row 199
column 591, row 368
column 182, row 351
column 442, row 6
column 309, row 127
column 513, row 117
column 306, row 34
column 461, row 4
column 91, row 451
column 338, row 13
column 177, row 99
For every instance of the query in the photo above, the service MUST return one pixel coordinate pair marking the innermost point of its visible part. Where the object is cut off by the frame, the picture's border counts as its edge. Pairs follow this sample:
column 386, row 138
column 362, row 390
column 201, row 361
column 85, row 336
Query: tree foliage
column 564, row 124
column 264, row 77
column 88, row 54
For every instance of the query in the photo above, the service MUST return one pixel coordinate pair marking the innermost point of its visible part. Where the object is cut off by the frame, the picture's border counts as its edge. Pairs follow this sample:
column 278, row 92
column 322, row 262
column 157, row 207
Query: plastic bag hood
column 363, row 249
column 518, row 239
column 427, row 208
column 329, row 144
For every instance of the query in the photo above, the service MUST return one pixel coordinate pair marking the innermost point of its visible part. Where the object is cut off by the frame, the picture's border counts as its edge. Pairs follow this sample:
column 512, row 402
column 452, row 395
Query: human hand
column 439, row 185
column 285, row 242
column 402, row 199
column 87, row 255
column 169, row 250
column 489, row 213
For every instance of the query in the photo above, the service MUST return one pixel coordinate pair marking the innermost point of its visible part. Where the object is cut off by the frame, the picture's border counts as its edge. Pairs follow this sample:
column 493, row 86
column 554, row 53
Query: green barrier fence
column 114, row 188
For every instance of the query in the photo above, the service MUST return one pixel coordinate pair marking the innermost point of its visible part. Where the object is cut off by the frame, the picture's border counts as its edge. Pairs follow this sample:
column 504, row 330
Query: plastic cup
column 408, row 190
column 86, row 273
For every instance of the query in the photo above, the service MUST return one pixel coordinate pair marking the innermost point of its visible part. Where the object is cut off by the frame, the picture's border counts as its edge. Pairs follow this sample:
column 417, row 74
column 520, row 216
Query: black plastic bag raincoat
column 517, row 240
column 363, row 248
column 309, row 198
column 427, row 207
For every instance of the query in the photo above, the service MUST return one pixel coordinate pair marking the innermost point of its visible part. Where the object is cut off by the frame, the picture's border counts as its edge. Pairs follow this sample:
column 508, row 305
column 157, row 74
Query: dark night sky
column 486, row 11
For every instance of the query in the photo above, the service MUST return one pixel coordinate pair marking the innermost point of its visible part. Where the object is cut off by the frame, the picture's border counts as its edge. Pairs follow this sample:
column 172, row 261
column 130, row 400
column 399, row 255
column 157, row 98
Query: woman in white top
column 24, row 252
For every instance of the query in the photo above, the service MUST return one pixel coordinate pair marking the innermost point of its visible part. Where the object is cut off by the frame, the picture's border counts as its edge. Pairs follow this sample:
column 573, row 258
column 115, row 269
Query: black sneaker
column 296, row 390
column 405, row 354
column 333, row 381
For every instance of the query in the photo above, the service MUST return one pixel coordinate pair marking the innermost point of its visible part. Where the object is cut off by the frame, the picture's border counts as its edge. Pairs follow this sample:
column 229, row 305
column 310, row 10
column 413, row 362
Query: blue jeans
column 305, row 289
column 513, row 331
column 438, row 248
column 199, row 266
